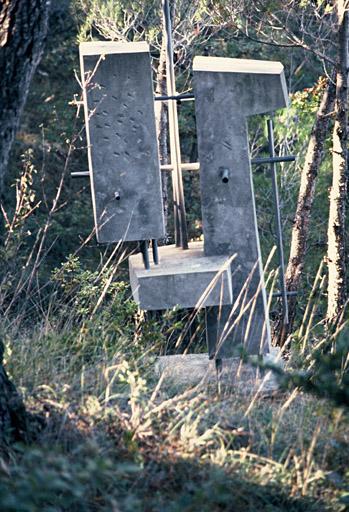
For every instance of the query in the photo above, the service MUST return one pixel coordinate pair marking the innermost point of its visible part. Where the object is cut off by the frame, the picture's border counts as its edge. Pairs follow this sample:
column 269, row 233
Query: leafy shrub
column 46, row 479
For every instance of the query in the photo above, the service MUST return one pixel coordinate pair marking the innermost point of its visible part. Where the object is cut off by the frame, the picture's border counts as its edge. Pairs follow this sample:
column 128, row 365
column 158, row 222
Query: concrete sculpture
column 222, row 274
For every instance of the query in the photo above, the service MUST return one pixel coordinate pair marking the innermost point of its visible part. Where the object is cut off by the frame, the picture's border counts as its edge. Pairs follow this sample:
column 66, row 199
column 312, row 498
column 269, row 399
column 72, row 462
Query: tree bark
column 23, row 28
column 300, row 231
column 13, row 417
column 161, row 125
column 336, row 224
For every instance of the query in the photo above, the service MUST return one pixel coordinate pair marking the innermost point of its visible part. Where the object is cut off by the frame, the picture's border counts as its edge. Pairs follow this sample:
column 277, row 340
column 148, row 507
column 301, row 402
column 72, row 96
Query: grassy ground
column 113, row 441
column 110, row 436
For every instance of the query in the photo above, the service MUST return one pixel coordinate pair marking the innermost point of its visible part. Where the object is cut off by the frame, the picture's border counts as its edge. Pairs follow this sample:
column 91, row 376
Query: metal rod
column 154, row 245
column 80, row 174
column 176, row 97
column 145, row 254
column 275, row 159
column 278, row 222
column 175, row 150
column 289, row 294
column 219, row 371
column 169, row 53
column 195, row 166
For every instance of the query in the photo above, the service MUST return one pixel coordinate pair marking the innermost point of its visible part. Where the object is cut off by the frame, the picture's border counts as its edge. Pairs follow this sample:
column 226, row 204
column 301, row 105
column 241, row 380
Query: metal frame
column 195, row 166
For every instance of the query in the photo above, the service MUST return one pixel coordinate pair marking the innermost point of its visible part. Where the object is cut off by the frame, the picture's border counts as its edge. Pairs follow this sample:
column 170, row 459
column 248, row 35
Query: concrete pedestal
column 183, row 371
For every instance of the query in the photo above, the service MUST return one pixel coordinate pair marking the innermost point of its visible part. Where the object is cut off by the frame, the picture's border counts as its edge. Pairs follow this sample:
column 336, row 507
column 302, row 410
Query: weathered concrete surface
column 187, row 278
column 122, row 144
column 184, row 371
column 226, row 92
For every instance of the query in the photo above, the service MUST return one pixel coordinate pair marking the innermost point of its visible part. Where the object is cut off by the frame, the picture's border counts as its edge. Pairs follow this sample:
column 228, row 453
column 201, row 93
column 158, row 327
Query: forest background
column 96, row 432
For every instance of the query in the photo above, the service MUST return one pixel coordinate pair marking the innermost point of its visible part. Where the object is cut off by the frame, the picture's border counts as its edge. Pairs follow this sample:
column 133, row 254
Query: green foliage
column 326, row 374
column 46, row 479
column 82, row 288
column 125, row 20
column 18, row 220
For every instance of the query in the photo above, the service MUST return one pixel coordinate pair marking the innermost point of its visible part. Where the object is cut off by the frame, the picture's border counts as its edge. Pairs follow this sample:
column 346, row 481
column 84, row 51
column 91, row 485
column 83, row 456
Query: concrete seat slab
column 185, row 278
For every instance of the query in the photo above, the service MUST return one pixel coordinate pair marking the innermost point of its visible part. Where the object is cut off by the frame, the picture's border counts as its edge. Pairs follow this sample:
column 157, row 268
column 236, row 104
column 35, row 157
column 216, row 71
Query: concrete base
column 198, row 370
column 188, row 279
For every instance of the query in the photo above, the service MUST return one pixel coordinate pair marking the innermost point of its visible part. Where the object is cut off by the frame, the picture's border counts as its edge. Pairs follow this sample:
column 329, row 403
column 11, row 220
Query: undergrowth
column 110, row 436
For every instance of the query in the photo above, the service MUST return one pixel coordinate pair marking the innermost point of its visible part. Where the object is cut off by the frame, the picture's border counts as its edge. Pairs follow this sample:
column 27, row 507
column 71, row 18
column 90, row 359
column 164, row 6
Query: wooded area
column 85, row 423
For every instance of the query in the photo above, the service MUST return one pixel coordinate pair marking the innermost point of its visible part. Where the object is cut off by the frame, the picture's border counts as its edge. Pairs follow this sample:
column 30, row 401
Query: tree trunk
column 23, row 28
column 161, row 124
column 336, row 224
column 300, row 231
column 13, row 417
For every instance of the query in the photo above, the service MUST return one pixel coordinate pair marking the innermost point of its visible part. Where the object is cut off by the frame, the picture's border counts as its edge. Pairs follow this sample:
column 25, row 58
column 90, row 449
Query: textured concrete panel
column 122, row 143
column 183, row 278
column 258, row 86
column 226, row 92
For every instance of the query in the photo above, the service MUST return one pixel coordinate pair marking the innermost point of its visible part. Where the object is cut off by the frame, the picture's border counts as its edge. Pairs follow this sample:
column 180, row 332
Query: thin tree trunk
column 336, row 224
column 23, row 27
column 300, row 231
column 161, row 125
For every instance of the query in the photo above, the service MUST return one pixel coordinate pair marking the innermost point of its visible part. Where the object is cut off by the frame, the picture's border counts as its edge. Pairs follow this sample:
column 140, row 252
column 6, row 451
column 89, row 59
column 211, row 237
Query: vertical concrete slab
column 226, row 92
column 122, row 144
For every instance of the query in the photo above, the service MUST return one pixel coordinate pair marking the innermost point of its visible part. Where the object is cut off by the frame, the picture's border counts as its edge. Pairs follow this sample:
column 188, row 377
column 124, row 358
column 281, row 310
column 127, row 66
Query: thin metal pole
column 289, row 294
column 145, row 254
column 177, row 97
column 154, row 245
column 195, row 166
column 273, row 160
column 181, row 234
column 278, row 222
